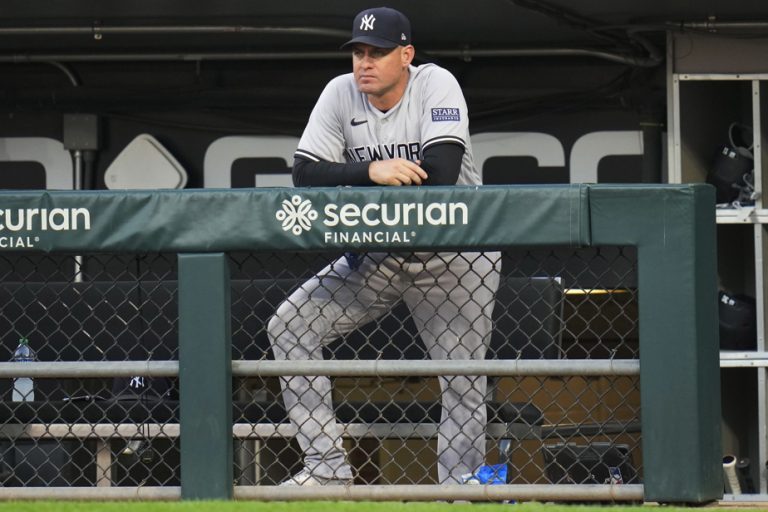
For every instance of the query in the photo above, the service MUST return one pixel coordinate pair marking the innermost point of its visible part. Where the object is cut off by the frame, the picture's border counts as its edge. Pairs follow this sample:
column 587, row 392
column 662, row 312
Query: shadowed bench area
column 118, row 320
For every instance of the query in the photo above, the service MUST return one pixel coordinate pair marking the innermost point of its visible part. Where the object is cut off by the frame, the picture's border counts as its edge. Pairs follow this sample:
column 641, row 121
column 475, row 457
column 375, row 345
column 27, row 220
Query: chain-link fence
column 548, row 303
column 87, row 431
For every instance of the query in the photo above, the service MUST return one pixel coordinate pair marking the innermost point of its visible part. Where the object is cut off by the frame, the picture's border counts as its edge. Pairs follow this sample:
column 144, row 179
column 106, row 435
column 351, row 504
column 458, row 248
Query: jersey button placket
column 386, row 128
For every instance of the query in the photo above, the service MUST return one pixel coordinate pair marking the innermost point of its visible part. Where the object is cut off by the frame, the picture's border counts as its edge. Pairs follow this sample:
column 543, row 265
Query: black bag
column 595, row 463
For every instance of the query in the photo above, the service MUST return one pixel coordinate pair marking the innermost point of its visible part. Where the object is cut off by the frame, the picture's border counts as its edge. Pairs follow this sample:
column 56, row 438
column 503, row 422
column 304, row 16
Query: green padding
column 205, row 377
column 295, row 219
column 673, row 228
column 674, row 231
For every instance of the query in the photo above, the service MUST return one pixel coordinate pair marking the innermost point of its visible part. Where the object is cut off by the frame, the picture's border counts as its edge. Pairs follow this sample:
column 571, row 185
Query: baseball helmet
column 738, row 321
column 732, row 169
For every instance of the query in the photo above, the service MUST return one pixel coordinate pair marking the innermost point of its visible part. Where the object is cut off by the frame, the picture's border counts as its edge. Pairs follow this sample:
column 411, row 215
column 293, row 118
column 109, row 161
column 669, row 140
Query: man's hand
column 397, row 171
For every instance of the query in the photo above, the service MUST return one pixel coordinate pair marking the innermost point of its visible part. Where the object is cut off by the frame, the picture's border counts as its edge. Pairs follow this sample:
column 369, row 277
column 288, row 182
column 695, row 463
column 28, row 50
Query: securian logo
column 296, row 215
column 20, row 227
column 370, row 222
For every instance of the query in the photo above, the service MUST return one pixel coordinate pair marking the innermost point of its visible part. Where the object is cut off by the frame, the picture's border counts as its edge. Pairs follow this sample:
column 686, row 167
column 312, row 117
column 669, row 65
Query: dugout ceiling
column 86, row 54
column 92, row 55
column 437, row 24
column 446, row 25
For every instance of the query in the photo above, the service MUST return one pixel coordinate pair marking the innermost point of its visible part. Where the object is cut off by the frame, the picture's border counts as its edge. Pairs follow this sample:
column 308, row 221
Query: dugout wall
column 671, row 227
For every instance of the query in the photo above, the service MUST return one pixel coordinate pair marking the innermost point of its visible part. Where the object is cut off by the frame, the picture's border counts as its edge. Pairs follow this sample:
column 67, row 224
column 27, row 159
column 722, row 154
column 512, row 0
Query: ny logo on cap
column 367, row 22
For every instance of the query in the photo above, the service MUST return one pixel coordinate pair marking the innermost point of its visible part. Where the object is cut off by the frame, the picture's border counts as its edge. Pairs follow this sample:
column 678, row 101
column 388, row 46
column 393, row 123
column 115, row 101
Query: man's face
column 379, row 70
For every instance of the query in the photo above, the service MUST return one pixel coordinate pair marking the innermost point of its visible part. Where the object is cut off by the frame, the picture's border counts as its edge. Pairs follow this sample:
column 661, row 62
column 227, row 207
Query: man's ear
column 407, row 55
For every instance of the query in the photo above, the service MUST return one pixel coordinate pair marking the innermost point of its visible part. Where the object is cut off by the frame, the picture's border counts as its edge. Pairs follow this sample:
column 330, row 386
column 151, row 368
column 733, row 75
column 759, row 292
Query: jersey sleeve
column 323, row 138
column 444, row 117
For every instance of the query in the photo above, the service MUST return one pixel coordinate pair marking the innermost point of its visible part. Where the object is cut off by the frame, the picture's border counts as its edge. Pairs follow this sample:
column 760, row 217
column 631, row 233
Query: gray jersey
column 345, row 127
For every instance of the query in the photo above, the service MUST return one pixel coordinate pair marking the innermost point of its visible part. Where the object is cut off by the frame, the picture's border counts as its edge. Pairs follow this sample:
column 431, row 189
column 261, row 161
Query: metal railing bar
column 76, row 369
column 91, row 493
column 333, row 368
column 530, row 492
column 430, row 368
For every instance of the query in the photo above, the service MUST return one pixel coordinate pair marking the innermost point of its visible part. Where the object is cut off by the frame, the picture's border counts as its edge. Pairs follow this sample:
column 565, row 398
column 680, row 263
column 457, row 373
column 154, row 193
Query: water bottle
column 23, row 387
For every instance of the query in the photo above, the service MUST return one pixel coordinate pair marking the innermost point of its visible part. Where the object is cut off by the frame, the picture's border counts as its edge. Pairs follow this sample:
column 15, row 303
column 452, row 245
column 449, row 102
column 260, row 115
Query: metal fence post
column 205, row 377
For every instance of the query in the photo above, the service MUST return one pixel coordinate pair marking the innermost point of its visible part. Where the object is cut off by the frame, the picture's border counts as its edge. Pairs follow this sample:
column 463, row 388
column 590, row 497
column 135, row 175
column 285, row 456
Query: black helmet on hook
column 732, row 171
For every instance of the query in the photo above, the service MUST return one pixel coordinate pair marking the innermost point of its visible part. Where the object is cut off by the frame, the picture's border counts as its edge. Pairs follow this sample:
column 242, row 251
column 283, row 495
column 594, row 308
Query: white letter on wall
column 589, row 149
column 50, row 153
column 546, row 149
column 222, row 153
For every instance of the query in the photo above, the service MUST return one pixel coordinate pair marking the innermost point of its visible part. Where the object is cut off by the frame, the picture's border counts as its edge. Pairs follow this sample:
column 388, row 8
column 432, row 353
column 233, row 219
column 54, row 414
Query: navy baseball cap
column 381, row 27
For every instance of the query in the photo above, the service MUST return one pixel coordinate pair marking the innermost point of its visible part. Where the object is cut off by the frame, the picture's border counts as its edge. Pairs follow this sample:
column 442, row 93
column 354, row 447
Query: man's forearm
column 308, row 173
column 442, row 163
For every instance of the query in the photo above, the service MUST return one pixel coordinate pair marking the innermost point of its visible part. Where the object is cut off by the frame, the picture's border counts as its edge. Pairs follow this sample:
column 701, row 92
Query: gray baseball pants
column 451, row 299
